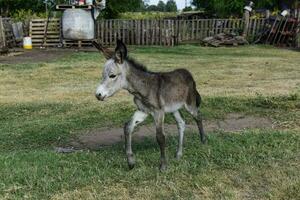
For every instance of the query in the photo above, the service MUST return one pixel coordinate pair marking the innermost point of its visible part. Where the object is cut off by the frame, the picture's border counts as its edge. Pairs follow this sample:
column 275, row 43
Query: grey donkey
column 155, row 93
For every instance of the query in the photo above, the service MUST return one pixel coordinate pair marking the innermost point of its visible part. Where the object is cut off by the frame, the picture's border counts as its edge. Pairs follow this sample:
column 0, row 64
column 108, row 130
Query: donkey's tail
column 198, row 97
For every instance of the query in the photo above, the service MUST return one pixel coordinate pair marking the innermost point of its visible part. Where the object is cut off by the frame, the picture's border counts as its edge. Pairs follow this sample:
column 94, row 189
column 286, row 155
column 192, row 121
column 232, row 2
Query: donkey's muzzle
column 100, row 97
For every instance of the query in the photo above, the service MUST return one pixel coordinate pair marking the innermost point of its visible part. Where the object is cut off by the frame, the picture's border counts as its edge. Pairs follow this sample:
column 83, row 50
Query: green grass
column 252, row 163
column 43, row 105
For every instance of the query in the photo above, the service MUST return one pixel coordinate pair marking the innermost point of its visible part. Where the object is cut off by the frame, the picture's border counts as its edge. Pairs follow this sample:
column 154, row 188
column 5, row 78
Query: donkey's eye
column 112, row 76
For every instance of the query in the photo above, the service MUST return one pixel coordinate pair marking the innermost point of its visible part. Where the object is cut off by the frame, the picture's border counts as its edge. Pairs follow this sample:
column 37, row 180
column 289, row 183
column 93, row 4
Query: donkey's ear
column 108, row 54
column 120, row 52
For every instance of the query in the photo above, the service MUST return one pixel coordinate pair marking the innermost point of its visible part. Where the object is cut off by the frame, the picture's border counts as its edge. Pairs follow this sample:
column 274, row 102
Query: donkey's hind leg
column 193, row 110
column 160, row 137
column 181, row 127
column 137, row 118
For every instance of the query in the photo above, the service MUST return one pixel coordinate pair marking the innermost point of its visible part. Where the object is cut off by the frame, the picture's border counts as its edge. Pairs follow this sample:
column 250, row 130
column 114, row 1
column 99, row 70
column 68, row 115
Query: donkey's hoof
column 203, row 140
column 163, row 167
column 178, row 156
column 130, row 166
column 131, row 162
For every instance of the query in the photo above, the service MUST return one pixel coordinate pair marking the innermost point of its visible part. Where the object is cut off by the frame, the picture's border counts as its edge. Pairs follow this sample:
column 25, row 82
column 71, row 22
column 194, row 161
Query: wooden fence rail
column 146, row 32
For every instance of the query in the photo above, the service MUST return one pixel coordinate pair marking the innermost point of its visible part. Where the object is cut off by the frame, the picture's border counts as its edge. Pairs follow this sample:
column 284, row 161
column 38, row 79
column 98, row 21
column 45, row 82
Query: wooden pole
column 2, row 34
column 247, row 21
column 282, row 32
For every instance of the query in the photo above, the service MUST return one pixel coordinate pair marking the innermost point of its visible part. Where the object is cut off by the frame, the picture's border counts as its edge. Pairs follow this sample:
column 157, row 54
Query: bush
column 147, row 15
column 27, row 15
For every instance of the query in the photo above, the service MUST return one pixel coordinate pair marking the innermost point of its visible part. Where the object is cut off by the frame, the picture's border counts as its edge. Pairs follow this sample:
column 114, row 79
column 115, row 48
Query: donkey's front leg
column 137, row 118
column 181, row 127
column 160, row 136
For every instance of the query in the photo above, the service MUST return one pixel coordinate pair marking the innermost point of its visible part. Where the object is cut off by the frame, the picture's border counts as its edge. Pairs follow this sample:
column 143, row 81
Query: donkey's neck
column 139, row 80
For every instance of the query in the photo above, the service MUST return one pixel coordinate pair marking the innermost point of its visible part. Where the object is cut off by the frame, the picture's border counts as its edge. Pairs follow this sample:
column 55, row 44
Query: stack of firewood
column 225, row 39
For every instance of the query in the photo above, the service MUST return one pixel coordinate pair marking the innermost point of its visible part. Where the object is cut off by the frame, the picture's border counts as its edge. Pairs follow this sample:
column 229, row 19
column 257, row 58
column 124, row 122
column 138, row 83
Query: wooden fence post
column 247, row 21
column 2, row 34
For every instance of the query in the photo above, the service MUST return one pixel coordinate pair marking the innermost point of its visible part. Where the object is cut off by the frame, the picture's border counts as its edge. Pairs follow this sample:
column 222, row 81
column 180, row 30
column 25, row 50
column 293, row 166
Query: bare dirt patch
column 35, row 55
column 97, row 138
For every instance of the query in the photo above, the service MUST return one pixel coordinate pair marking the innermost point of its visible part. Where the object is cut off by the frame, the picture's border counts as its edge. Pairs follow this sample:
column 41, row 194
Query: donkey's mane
column 137, row 65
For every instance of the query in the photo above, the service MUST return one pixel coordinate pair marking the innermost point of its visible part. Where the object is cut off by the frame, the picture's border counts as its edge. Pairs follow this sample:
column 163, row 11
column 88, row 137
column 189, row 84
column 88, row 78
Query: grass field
column 45, row 104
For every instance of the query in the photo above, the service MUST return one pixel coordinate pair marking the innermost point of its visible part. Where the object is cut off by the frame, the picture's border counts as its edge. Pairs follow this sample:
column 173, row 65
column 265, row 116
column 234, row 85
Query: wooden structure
column 64, row 7
column 146, row 32
column 6, row 33
column 137, row 32
column 53, row 37
column 280, row 31
column 170, row 32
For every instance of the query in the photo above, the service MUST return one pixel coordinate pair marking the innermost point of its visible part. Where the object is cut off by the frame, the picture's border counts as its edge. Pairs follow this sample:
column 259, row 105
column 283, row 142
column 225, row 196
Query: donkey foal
column 155, row 93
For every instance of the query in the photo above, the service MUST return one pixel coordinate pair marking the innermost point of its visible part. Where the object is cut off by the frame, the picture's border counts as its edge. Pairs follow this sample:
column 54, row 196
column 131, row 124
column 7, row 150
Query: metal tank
column 78, row 24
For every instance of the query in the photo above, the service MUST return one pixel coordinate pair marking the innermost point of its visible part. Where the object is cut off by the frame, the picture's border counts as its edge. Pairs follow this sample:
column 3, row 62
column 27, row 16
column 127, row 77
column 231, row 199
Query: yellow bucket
column 27, row 43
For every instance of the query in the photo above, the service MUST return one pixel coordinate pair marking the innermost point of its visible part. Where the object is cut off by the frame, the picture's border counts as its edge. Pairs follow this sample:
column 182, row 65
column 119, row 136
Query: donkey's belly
column 172, row 107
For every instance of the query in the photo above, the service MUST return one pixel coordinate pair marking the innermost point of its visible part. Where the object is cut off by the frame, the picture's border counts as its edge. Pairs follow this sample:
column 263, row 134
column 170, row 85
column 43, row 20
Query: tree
column 7, row 7
column 225, row 8
column 200, row 3
column 186, row 9
column 171, row 6
column 152, row 8
column 221, row 8
column 161, row 6
column 114, row 7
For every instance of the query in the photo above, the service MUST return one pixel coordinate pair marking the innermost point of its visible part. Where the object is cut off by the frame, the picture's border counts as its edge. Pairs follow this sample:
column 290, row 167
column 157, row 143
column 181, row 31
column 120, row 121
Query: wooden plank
column 160, row 32
column 254, row 27
column 230, row 25
column 106, row 35
column 157, row 33
column 65, row 6
column 41, row 36
column 100, row 36
column 126, row 31
column 163, row 33
column 132, row 24
column 116, row 29
column 48, row 32
column 150, row 34
column 43, row 22
column 44, row 19
column 2, row 34
column 143, row 31
column 168, row 33
column 123, row 30
column 138, row 32
column 48, row 40
column 147, row 32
